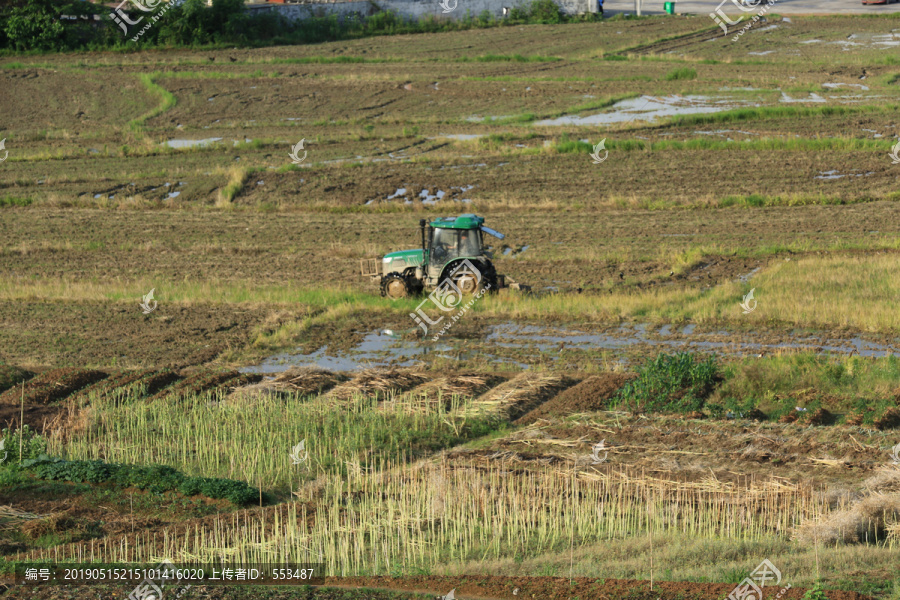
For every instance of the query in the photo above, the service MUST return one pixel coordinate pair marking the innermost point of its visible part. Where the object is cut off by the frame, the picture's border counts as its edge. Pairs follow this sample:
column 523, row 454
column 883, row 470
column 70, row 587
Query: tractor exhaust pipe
column 422, row 224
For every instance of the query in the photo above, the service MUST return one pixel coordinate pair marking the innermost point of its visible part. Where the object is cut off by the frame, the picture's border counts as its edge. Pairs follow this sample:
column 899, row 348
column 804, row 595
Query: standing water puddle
column 386, row 348
column 192, row 143
column 648, row 108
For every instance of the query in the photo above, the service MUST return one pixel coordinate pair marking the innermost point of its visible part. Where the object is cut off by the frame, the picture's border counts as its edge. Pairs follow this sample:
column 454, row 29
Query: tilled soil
column 51, row 386
column 675, row 446
column 63, row 412
column 489, row 587
column 103, row 333
column 590, row 395
column 203, row 381
column 617, row 249
column 558, row 588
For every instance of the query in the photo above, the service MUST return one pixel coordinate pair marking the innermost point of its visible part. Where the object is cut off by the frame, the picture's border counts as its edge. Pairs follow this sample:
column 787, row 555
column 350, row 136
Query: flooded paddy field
column 798, row 97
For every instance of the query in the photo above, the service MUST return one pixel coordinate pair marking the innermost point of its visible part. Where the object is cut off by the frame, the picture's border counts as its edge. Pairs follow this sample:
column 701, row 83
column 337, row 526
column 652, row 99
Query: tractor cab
column 453, row 252
column 452, row 240
column 447, row 244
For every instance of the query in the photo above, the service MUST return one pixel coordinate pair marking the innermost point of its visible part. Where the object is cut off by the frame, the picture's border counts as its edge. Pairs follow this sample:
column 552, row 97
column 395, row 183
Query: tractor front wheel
column 469, row 283
column 394, row 286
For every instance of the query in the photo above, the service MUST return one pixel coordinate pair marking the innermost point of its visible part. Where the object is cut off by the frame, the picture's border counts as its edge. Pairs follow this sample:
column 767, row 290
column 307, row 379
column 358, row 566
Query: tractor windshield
column 448, row 244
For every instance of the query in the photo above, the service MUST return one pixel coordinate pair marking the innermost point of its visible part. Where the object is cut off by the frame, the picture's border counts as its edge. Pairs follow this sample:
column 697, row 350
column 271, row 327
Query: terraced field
column 412, row 439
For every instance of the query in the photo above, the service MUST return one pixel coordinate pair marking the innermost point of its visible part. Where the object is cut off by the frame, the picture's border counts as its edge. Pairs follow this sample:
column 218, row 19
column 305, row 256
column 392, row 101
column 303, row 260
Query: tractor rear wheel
column 394, row 286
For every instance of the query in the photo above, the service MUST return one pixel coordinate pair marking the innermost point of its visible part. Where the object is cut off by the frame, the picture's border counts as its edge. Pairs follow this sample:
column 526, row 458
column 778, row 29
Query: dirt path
column 559, row 588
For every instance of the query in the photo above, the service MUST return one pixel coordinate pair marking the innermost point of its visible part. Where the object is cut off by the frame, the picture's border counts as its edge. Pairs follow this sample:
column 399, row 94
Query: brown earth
column 628, row 248
column 64, row 414
column 51, row 386
column 40, row 417
column 559, row 588
column 587, row 396
column 407, row 93
column 476, row 588
column 151, row 379
column 233, row 592
column 670, row 446
column 204, row 381
column 105, row 334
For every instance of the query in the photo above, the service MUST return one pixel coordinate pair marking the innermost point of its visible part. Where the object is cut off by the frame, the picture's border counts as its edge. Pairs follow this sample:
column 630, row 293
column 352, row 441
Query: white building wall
column 414, row 9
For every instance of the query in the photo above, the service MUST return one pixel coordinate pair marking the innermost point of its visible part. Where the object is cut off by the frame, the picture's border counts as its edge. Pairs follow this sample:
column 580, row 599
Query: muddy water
column 649, row 108
column 388, row 348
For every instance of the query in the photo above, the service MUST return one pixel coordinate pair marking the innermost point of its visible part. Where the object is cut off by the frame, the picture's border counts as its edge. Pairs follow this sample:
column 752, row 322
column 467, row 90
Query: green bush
column 78, row 471
column 545, row 11
column 670, row 383
column 681, row 73
column 566, row 145
column 35, row 26
column 156, row 478
column 815, row 593
column 32, row 444
column 15, row 201
column 235, row 491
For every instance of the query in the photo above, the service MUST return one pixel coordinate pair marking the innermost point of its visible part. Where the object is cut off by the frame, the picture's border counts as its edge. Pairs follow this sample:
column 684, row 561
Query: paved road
column 781, row 7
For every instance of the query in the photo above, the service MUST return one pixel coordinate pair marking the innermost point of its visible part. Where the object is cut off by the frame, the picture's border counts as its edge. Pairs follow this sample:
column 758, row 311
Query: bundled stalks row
column 298, row 381
column 424, row 514
column 514, row 398
column 253, row 441
column 379, row 383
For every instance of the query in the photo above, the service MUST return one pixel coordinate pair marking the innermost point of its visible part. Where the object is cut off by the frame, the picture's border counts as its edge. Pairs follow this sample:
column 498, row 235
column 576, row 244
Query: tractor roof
column 467, row 221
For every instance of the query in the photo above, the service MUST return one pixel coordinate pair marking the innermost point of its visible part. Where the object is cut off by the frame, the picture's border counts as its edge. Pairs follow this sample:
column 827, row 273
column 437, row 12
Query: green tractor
column 452, row 253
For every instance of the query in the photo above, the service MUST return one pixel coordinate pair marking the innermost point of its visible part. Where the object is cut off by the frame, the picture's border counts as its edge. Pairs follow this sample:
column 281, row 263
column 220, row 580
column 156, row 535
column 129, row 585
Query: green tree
column 35, row 26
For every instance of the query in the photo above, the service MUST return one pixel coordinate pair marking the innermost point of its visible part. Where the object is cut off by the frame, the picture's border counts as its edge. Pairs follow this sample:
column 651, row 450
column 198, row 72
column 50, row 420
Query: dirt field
column 757, row 164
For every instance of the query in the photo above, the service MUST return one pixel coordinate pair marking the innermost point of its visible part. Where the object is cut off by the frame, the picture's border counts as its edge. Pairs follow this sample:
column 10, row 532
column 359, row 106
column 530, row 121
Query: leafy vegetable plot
column 670, row 383
column 156, row 478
